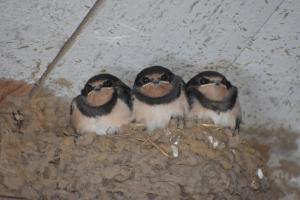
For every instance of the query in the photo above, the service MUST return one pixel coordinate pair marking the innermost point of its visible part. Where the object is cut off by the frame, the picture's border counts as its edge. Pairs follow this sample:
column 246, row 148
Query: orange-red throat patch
column 156, row 90
column 214, row 92
column 99, row 98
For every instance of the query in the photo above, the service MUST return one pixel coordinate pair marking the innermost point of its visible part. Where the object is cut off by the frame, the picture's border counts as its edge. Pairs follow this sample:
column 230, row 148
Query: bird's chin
column 156, row 90
column 99, row 98
column 213, row 92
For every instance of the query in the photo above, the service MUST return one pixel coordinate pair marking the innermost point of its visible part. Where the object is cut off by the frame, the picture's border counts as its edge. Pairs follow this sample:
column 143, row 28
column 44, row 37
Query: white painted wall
column 255, row 43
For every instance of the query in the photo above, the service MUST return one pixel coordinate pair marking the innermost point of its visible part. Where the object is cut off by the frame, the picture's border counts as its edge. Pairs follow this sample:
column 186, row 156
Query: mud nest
column 42, row 158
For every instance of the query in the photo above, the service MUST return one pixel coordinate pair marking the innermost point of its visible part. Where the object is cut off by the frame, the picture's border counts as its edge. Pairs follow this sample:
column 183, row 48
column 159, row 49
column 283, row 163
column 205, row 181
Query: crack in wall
column 252, row 38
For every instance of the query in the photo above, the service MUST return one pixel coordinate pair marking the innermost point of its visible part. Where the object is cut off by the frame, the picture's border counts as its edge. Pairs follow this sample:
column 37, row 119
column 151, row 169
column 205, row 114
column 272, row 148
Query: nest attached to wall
column 42, row 158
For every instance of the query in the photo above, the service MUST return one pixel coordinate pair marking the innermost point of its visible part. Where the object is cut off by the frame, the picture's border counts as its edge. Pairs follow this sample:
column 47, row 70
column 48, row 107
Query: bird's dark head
column 99, row 89
column 212, row 84
column 155, row 81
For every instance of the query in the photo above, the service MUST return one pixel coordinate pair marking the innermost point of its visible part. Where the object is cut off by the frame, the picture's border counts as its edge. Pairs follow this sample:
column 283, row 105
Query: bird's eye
column 108, row 83
column 224, row 81
column 165, row 77
column 88, row 88
column 203, row 81
column 145, row 80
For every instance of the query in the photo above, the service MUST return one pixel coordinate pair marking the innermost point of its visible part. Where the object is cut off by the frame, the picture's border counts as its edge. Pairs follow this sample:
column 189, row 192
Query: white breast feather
column 225, row 119
column 158, row 116
column 110, row 123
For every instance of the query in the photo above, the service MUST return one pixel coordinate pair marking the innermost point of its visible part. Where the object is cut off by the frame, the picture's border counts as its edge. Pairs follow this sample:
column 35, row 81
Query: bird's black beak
column 217, row 83
column 98, row 88
column 156, row 82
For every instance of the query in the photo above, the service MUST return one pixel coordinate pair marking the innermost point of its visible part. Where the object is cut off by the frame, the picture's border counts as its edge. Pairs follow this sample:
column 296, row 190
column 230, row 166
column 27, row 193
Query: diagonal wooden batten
column 64, row 49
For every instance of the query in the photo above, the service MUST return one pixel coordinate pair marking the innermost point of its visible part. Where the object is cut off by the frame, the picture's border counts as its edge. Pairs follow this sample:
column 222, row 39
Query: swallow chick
column 103, row 106
column 212, row 97
column 158, row 96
